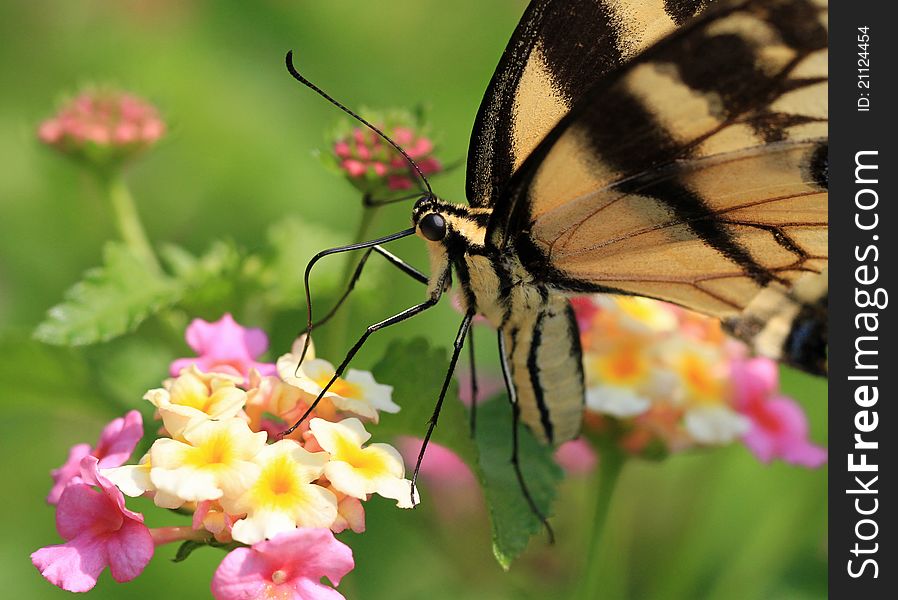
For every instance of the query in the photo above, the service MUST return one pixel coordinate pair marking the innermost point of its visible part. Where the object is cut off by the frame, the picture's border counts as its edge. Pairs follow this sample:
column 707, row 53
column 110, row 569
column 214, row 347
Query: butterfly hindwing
column 559, row 50
column 694, row 173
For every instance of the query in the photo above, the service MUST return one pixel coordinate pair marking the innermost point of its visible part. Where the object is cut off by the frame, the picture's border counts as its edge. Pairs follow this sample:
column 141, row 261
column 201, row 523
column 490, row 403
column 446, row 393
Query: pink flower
column 287, row 566
column 99, row 532
column 576, row 457
column 116, row 444
column 440, row 465
column 585, row 309
column 103, row 126
column 488, row 385
column 778, row 426
column 225, row 346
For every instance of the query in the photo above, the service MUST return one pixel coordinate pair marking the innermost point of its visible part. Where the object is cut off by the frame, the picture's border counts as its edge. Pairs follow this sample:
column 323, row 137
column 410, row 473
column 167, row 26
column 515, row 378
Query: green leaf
column 186, row 549
column 293, row 242
column 416, row 372
column 109, row 301
column 210, row 281
column 42, row 378
column 512, row 520
column 130, row 366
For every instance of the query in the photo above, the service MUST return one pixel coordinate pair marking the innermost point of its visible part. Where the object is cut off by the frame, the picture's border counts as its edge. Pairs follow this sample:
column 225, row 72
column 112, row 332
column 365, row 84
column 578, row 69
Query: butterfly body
column 539, row 336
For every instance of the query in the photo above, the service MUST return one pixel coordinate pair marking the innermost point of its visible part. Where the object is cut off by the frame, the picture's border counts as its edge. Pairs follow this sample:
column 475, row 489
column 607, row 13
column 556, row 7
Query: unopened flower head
column 103, row 127
column 376, row 168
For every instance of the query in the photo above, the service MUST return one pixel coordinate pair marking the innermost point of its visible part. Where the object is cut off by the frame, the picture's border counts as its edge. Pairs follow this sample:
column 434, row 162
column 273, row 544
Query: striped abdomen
column 544, row 355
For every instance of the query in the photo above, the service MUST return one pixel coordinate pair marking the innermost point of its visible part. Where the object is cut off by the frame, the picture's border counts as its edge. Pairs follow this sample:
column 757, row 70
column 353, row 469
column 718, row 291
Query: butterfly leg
column 391, row 258
column 515, row 422
column 456, row 351
column 472, row 363
column 397, row 318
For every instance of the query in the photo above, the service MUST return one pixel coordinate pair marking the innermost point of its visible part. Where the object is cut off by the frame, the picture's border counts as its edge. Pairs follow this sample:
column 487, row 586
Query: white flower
column 618, row 402
column 715, row 425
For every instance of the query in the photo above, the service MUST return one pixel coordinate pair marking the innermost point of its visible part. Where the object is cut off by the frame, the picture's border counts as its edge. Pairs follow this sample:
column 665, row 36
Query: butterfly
column 672, row 149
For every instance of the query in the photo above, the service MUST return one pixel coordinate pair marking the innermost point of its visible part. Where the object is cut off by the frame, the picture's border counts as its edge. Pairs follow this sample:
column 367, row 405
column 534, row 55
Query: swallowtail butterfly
column 674, row 149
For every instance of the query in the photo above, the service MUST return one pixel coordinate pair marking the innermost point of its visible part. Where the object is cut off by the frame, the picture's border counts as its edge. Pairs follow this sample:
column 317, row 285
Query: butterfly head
column 429, row 219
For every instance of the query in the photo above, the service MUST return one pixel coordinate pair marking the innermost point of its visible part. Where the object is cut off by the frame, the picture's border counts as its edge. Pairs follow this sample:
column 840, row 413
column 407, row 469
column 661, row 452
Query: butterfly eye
column 433, row 227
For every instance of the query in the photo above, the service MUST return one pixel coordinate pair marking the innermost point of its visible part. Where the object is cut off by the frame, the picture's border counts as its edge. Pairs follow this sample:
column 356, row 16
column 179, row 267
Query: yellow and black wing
column 559, row 50
column 694, row 173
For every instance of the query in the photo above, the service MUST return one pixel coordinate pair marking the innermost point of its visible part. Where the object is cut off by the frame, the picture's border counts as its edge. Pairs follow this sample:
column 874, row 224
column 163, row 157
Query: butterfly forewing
column 695, row 173
column 559, row 50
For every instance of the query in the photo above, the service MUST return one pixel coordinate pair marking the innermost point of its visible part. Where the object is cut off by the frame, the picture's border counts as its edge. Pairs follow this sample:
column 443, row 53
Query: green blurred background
column 238, row 159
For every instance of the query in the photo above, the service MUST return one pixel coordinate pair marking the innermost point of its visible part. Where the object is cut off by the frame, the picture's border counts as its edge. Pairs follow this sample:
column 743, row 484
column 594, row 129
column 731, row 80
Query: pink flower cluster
column 374, row 166
column 103, row 126
column 220, row 455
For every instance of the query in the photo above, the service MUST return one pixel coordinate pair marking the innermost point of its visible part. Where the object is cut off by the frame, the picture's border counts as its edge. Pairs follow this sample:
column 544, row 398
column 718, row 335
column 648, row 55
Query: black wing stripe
column 591, row 27
column 605, row 129
column 683, row 10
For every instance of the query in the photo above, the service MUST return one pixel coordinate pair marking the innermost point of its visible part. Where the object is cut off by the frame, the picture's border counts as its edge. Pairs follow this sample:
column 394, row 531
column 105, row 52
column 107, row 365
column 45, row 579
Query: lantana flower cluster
column 376, row 168
column 274, row 501
column 664, row 379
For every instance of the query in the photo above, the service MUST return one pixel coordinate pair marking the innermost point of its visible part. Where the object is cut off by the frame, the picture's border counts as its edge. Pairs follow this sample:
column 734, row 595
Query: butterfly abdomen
column 543, row 351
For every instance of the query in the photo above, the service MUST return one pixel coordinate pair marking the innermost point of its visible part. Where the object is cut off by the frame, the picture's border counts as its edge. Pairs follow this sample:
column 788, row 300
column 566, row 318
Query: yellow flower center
column 341, row 387
column 279, row 486
column 217, row 451
column 624, row 366
column 368, row 461
column 638, row 308
column 700, row 378
column 202, row 402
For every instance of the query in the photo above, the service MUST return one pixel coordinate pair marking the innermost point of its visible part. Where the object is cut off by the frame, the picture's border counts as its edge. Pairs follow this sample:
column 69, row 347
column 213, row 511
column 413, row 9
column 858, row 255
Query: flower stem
column 167, row 535
column 128, row 222
column 340, row 321
column 611, row 462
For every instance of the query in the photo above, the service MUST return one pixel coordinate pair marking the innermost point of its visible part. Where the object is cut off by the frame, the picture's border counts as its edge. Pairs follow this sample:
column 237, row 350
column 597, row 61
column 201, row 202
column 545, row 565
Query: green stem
column 611, row 462
column 340, row 322
column 128, row 222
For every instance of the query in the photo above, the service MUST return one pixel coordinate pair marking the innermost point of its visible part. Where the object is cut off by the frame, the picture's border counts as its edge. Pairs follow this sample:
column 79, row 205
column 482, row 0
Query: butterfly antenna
column 296, row 75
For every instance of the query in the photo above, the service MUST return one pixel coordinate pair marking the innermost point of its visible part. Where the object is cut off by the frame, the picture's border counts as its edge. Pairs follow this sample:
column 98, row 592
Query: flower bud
column 103, row 127
column 373, row 166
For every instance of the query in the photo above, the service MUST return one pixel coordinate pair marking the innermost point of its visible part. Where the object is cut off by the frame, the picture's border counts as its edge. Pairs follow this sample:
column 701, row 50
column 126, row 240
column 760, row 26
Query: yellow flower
column 357, row 393
column 638, row 315
column 356, row 470
column 214, row 460
column 625, row 365
column 701, row 370
column 272, row 396
column 283, row 497
column 194, row 397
